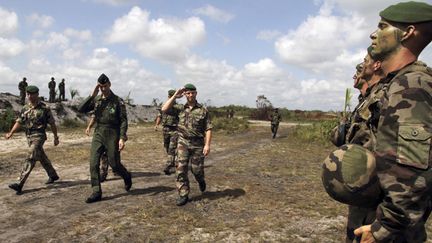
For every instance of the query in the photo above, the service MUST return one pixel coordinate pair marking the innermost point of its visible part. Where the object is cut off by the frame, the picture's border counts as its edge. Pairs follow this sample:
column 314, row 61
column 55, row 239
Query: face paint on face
column 386, row 40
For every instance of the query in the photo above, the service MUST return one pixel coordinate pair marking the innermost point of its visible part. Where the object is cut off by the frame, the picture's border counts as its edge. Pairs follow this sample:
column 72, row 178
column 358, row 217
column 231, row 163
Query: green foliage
column 7, row 119
column 230, row 126
column 71, row 123
column 318, row 131
column 73, row 93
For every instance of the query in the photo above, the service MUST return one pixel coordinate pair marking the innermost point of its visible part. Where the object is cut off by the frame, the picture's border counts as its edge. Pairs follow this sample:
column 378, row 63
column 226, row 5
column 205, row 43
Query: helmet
column 349, row 176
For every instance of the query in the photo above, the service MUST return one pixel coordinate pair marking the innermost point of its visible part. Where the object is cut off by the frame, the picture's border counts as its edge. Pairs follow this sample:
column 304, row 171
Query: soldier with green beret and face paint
column 194, row 130
column 109, row 113
column 34, row 117
column 169, row 120
column 403, row 151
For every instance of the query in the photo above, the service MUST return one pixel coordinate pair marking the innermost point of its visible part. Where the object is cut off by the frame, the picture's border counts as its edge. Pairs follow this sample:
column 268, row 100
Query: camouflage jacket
column 275, row 118
column 35, row 119
column 193, row 122
column 108, row 112
column 52, row 85
column 364, row 119
column 171, row 117
column 22, row 86
column 403, row 151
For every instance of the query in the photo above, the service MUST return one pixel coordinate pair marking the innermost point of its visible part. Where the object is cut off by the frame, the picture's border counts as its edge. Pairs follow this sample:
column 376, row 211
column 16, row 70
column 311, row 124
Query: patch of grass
column 230, row 126
column 7, row 119
column 319, row 131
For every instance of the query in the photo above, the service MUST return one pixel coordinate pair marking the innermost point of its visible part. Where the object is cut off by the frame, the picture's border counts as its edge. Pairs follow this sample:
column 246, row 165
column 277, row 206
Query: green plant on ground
column 7, row 119
column 318, row 131
column 230, row 125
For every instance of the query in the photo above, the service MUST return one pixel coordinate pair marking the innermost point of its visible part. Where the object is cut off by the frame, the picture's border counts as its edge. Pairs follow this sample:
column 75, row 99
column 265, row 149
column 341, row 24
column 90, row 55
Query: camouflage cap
column 408, row 12
column 190, row 87
column 31, row 89
column 103, row 79
column 171, row 92
column 349, row 176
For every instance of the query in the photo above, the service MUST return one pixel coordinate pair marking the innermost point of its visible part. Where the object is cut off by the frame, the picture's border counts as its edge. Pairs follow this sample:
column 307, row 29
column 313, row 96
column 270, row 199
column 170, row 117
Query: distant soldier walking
column 52, row 86
column 169, row 120
column 35, row 116
column 109, row 113
column 275, row 118
column 22, row 88
column 61, row 87
column 194, row 139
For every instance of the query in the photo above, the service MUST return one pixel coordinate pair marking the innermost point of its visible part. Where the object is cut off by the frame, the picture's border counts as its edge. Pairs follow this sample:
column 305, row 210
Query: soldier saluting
column 35, row 116
column 109, row 114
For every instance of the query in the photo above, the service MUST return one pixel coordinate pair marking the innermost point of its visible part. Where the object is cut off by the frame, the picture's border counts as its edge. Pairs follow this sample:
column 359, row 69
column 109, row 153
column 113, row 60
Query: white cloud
column 115, row 2
column 42, row 21
column 10, row 47
column 8, row 23
column 83, row 35
column 163, row 39
column 268, row 35
column 214, row 13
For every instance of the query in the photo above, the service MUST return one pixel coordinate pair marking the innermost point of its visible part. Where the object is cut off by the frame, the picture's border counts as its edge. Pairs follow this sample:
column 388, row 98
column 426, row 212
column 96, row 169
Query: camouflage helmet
column 349, row 176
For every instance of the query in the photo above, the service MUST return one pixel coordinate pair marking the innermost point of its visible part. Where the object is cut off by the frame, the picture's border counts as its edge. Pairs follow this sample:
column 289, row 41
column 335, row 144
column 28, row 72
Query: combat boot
column 167, row 171
column 182, row 200
column 103, row 177
column 128, row 181
column 16, row 187
column 202, row 185
column 52, row 179
column 94, row 197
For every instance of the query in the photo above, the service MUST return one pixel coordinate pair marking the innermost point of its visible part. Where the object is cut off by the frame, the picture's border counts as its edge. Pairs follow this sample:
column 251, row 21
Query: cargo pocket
column 414, row 144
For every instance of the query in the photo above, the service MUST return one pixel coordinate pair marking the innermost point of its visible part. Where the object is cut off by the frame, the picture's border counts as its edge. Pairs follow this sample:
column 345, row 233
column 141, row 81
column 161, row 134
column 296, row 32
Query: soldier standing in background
column 109, row 113
column 52, row 86
column 403, row 158
column 22, row 88
column 61, row 87
column 275, row 118
column 35, row 116
column 194, row 130
column 169, row 120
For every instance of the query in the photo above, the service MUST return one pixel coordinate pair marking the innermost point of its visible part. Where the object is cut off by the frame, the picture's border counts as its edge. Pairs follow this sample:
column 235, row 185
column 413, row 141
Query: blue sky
column 300, row 54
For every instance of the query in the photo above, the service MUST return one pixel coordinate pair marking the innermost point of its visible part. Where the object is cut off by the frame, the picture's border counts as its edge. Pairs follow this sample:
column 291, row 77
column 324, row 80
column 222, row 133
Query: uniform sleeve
column 49, row 117
column 123, row 121
column 403, row 154
column 87, row 105
column 208, row 123
column 20, row 118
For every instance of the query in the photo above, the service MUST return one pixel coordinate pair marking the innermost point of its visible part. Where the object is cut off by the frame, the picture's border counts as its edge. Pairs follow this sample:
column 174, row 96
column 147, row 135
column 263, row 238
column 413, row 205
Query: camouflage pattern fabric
column 111, row 126
column 275, row 119
column 170, row 122
column 51, row 86
column 193, row 123
column 35, row 120
column 404, row 156
column 22, row 88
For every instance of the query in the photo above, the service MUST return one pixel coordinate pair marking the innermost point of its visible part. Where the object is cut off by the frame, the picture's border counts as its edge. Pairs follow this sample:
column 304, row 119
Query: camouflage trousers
column 105, row 140
column 170, row 138
column 36, row 153
column 274, row 129
column 189, row 151
column 22, row 97
column 357, row 217
column 52, row 96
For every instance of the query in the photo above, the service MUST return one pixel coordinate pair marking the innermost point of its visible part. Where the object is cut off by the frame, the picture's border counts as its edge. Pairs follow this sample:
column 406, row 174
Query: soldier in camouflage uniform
column 403, row 153
column 22, row 88
column 169, row 120
column 109, row 113
column 52, row 86
column 275, row 118
column 194, row 130
column 35, row 116
column 61, row 87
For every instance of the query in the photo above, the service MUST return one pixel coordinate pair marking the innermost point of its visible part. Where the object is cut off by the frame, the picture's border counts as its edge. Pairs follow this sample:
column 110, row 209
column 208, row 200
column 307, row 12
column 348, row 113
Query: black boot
column 16, row 187
column 202, row 185
column 128, row 181
column 103, row 177
column 94, row 197
column 52, row 179
column 182, row 200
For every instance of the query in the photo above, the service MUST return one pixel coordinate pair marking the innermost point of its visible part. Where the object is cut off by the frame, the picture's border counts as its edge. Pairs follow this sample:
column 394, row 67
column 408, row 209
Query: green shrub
column 230, row 126
column 7, row 119
column 318, row 131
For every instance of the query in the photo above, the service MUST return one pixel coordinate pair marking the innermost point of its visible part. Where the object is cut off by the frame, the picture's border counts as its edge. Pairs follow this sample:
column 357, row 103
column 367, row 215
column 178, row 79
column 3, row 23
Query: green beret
column 103, row 79
column 190, row 87
column 171, row 92
column 408, row 12
column 31, row 89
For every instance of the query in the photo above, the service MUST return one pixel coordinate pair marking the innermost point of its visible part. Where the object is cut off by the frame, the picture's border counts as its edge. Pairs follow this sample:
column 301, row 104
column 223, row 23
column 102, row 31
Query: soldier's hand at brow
column 206, row 150
column 121, row 144
column 95, row 91
column 366, row 234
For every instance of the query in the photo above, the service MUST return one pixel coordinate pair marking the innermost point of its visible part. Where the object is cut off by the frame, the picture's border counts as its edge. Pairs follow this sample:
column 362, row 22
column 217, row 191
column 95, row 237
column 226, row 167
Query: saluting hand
column 121, row 144
column 179, row 93
column 95, row 91
column 365, row 233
